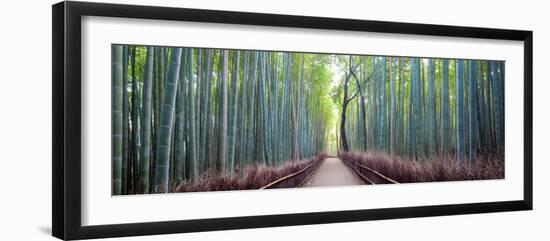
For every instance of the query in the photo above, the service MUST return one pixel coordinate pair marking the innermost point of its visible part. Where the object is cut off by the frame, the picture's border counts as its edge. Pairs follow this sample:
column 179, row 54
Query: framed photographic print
column 170, row 120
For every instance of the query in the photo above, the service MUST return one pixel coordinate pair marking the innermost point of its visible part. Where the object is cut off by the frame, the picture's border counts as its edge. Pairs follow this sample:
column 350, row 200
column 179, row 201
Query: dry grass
column 250, row 177
column 438, row 169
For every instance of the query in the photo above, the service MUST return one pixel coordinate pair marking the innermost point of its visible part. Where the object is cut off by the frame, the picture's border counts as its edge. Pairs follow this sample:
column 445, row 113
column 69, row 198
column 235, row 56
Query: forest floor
column 333, row 172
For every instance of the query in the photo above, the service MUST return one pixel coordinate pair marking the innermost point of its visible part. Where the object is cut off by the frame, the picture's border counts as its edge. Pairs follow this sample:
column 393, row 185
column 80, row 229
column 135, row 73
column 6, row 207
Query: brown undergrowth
column 250, row 177
column 437, row 169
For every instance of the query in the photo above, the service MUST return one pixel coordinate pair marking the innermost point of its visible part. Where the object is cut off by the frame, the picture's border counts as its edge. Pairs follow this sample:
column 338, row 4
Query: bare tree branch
column 353, row 96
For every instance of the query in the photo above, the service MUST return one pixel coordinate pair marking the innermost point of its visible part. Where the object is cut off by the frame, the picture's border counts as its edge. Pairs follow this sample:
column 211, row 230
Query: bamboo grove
column 421, row 108
column 181, row 113
column 178, row 113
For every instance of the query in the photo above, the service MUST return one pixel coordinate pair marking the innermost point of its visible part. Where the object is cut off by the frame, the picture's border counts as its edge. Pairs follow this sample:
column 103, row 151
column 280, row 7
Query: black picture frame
column 66, row 129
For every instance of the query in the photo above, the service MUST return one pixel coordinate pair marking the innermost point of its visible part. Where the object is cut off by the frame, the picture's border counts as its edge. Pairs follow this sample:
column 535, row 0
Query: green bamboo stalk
column 432, row 125
column 383, row 108
column 266, row 72
column 402, row 112
column 483, row 112
column 146, row 122
column 393, row 113
column 283, row 107
column 445, row 110
column 156, row 96
column 136, row 142
column 201, row 115
column 251, row 107
column 116, row 117
column 166, row 122
column 301, row 110
column 459, row 79
column 224, row 104
column 472, row 90
column 125, row 124
column 161, row 75
column 242, row 117
column 233, row 114
column 191, row 144
column 180, row 166
column 262, row 116
column 498, row 105
column 206, row 129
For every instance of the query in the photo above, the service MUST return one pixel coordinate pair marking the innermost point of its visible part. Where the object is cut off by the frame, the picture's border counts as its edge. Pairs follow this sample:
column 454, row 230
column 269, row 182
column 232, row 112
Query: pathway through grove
column 333, row 172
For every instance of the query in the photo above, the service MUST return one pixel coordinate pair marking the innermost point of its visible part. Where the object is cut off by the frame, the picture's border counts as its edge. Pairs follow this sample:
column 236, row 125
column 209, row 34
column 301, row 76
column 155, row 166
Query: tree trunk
column 343, row 136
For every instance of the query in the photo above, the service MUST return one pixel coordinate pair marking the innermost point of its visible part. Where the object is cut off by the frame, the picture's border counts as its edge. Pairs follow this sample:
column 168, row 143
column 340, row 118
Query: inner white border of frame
column 98, row 33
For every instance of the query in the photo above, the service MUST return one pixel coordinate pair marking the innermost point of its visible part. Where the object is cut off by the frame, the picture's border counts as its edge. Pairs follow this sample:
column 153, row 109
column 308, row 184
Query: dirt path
column 333, row 172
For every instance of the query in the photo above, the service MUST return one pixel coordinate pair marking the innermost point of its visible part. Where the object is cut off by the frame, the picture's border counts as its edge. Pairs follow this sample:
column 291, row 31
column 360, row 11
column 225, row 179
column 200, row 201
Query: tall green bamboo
column 361, row 86
column 155, row 114
column 233, row 114
column 382, row 99
column 135, row 127
column 272, row 86
column 432, row 123
column 411, row 122
column 402, row 113
column 283, row 118
column 125, row 124
column 161, row 75
column 146, row 121
column 191, row 146
column 206, row 122
column 222, row 152
column 445, row 132
column 201, row 115
column 116, row 118
column 393, row 113
column 418, row 109
column 251, row 107
column 497, row 105
column 166, row 122
column 180, row 123
column 261, row 108
column 483, row 108
column 460, row 140
column 275, row 108
column 242, row 120
column 472, row 91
